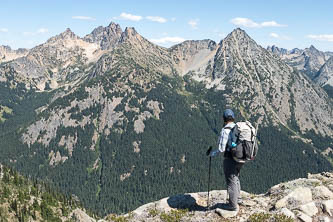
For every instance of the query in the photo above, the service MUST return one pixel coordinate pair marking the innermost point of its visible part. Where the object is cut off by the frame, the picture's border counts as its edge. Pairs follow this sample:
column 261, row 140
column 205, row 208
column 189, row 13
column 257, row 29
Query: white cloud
column 324, row 37
column 274, row 35
column 246, row 22
column 42, row 30
column 194, row 23
column 28, row 33
column 271, row 24
column 127, row 16
column 88, row 18
column 277, row 36
column 3, row 30
column 166, row 40
column 156, row 19
column 39, row 31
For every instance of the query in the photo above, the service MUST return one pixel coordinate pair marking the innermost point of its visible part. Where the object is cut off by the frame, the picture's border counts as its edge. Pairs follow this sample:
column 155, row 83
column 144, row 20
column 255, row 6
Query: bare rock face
column 79, row 215
column 196, row 57
column 325, row 74
column 107, row 37
column 299, row 204
column 7, row 54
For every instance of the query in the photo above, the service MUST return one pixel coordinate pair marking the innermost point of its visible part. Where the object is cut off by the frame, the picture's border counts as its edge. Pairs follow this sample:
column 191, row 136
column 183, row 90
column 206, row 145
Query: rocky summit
column 304, row 199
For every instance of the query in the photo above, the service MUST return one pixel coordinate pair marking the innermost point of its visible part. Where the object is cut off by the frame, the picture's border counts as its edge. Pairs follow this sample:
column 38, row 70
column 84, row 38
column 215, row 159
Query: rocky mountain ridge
column 310, row 61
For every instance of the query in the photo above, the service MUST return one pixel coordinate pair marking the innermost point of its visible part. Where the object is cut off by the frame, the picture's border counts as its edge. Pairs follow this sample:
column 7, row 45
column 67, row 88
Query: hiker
column 226, row 143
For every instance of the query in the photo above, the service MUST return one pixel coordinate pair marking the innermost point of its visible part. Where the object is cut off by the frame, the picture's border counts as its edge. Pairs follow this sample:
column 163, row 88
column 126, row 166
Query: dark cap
column 228, row 113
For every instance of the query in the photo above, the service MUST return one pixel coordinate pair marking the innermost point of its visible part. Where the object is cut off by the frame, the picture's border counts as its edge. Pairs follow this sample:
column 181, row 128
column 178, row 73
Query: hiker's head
column 228, row 116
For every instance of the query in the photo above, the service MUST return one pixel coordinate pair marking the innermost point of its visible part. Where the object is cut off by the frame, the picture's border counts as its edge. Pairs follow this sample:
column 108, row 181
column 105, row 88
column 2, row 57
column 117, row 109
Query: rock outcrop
column 107, row 37
column 325, row 74
column 304, row 199
column 7, row 54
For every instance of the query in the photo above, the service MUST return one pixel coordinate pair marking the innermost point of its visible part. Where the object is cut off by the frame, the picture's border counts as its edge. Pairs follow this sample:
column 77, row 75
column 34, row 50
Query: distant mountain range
column 317, row 65
column 119, row 121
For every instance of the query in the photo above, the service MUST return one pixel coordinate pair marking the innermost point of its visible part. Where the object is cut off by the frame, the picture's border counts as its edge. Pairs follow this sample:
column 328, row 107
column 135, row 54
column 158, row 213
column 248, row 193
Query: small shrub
column 174, row 215
column 266, row 217
column 153, row 212
column 116, row 218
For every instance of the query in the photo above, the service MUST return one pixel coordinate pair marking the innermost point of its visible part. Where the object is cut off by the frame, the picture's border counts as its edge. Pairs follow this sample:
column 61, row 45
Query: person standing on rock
column 231, row 168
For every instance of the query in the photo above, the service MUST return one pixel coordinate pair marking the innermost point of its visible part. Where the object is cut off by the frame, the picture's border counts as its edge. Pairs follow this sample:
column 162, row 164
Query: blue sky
column 288, row 24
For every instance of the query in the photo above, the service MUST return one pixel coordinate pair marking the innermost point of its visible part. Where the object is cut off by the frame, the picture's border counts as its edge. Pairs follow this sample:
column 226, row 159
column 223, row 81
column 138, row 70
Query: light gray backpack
column 246, row 131
column 247, row 148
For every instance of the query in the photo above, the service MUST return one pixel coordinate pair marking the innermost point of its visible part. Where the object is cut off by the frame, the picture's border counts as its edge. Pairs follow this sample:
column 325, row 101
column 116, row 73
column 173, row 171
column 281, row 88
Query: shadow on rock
column 218, row 206
column 185, row 201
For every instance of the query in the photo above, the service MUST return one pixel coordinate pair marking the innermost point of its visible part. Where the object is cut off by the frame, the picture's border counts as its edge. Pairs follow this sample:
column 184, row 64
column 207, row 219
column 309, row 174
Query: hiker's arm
column 221, row 144
column 223, row 141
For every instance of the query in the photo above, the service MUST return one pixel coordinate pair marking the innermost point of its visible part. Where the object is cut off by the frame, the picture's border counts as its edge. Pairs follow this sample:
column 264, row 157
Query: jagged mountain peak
column 313, row 48
column 138, row 42
column 276, row 50
column 238, row 38
column 114, row 25
column 130, row 34
column 296, row 51
column 238, row 33
column 67, row 34
column 107, row 37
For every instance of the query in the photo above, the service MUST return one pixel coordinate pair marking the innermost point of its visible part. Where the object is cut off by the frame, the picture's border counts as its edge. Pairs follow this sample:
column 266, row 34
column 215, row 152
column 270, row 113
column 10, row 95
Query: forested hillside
column 22, row 199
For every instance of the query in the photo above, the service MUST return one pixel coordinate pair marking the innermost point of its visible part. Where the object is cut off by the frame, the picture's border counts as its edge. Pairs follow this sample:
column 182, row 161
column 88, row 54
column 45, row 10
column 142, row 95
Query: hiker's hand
column 214, row 153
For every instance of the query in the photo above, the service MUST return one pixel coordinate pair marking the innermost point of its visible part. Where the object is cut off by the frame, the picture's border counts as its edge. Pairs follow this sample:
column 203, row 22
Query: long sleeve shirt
column 225, row 137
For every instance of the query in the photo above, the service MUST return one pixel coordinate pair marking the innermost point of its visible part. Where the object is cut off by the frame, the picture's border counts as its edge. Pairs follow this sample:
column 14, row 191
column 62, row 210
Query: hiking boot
column 230, row 208
column 240, row 201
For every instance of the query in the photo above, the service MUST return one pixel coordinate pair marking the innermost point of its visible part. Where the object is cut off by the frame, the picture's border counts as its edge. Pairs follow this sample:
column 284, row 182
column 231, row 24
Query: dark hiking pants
column 231, row 171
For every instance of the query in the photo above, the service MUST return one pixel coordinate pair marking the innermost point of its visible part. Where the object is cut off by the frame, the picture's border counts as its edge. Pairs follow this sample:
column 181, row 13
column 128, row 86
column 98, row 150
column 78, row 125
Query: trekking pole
column 210, row 161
